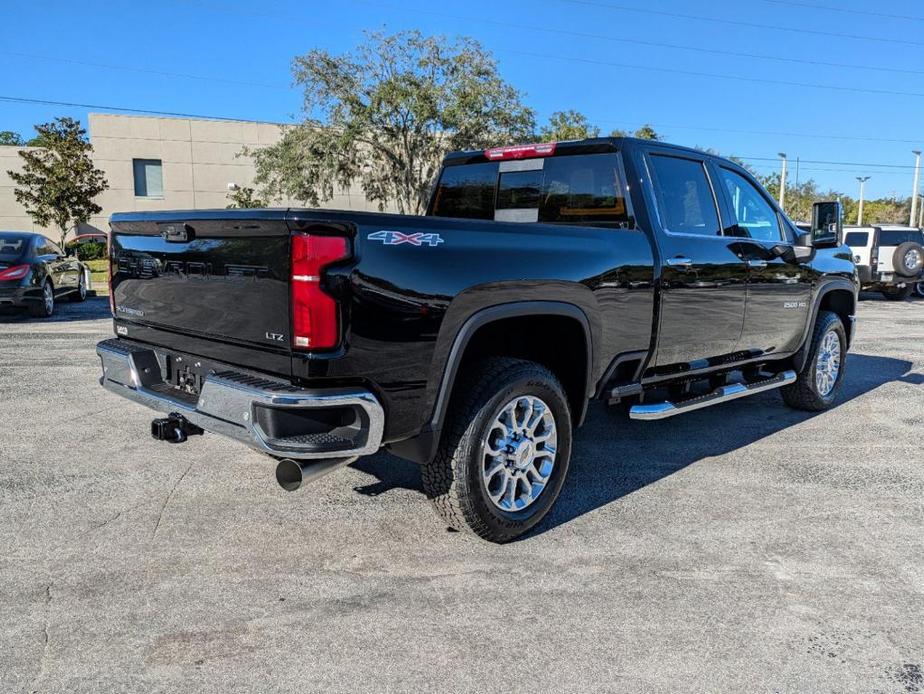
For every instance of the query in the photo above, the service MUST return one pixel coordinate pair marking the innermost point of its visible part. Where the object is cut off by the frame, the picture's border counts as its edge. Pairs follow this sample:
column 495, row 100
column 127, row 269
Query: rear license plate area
column 184, row 375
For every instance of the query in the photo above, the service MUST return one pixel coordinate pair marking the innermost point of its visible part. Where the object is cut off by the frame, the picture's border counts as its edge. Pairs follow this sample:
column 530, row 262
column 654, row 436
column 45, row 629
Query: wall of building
column 199, row 161
column 12, row 215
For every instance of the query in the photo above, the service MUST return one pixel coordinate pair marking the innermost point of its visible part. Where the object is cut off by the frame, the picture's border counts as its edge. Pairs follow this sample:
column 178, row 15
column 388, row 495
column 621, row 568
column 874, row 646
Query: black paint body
column 48, row 263
column 223, row 292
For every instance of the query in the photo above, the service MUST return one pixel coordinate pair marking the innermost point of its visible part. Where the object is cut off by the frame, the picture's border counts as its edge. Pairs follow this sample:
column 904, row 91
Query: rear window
column 586, row 189
column 856, row 238
column 896, row 237
column 466, row 191
column 13, row 246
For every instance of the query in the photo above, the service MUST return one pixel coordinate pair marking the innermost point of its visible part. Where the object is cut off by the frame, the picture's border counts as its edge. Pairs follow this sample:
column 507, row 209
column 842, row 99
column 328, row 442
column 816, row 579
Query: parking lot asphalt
column 745, row 547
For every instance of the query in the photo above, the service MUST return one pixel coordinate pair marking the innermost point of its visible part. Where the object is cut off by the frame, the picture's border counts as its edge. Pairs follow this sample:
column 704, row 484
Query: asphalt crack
column 43, row 658
column 163, row 506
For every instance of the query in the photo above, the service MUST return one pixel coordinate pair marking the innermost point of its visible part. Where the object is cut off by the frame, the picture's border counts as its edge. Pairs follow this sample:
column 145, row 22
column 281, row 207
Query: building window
column 149, row 178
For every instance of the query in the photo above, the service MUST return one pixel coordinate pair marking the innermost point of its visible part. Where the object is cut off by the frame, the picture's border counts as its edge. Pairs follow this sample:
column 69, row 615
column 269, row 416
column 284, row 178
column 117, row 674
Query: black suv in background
column 472, row 339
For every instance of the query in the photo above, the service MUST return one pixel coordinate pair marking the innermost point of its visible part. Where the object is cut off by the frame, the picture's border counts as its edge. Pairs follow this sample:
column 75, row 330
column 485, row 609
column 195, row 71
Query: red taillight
column 17, row 272
column 546, row 149
column 315, row 321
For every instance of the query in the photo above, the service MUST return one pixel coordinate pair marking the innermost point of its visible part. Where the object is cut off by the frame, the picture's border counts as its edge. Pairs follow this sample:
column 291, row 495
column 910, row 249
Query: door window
column 685, row 200
column 755, row 216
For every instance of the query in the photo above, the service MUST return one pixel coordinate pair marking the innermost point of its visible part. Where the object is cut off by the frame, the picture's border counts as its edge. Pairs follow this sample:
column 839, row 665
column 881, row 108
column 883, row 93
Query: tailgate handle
column 177, row 233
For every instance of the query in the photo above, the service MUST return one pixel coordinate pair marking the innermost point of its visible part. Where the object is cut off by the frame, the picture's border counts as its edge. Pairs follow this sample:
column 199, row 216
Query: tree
column 386, row 114
column 646, row 132
column 8, row 138
column 59, row 182
column 245, row 198
column 568, row 125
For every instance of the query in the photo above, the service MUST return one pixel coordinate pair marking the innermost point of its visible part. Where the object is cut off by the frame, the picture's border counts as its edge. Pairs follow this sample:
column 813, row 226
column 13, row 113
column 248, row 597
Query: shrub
column 92, row 250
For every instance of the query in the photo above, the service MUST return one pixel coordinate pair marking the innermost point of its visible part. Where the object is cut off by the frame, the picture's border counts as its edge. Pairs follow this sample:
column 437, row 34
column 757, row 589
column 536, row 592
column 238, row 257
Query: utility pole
column 917, row 185
column 783, row 182
column 862, row 180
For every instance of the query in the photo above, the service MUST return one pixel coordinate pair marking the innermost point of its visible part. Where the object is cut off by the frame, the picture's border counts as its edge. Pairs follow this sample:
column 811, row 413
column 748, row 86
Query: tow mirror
column 827, row 224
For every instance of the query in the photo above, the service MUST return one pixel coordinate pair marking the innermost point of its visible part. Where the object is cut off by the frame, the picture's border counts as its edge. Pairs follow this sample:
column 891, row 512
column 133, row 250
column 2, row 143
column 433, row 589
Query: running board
column 733, row 391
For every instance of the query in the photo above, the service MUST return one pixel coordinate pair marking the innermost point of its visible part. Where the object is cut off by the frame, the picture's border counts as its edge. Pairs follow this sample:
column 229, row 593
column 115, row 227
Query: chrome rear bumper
column 234, row 404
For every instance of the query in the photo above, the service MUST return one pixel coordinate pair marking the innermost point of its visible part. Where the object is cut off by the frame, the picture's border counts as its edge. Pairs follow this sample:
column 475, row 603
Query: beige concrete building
column 164, row 164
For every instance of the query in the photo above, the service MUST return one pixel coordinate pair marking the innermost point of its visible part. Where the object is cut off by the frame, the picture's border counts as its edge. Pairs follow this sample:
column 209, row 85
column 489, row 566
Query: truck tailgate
column 221, row 276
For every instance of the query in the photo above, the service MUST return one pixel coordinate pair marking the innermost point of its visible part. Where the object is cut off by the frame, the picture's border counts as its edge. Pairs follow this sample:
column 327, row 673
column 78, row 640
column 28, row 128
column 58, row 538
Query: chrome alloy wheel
column 912, row 258
column 48, row 298
column 828, row 365
column 518, row 453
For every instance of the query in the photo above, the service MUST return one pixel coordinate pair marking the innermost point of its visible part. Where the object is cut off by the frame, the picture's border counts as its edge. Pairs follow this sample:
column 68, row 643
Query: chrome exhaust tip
column 292, row 474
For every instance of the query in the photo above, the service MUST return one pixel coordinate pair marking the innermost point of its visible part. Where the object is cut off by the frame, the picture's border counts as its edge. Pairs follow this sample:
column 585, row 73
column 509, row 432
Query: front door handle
column 757, row 264
column 680, row 263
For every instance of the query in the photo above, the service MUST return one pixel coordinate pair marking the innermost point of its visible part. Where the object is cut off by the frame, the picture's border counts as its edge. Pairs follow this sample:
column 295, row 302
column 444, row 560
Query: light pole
column 917, row 183
column 862, row 180
column 782, row 156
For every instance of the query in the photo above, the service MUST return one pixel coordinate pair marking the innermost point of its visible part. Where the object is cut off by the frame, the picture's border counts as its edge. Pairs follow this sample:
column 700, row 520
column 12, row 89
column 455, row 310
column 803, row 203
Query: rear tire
column 518, row 410
column 81, row 293
column 898, row 293
column 919, row 290
column 818, row 383
column 46, row 307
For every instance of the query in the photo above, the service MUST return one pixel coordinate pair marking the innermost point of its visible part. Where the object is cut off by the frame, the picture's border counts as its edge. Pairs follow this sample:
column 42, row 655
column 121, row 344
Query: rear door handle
column 680, row 263
column 757, row 264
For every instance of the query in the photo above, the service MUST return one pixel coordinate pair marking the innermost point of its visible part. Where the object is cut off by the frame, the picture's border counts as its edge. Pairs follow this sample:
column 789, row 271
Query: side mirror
column 827, row 224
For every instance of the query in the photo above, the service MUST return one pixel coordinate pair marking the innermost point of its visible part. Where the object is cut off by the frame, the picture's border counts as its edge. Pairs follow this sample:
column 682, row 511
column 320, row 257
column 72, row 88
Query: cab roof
column 587, row 146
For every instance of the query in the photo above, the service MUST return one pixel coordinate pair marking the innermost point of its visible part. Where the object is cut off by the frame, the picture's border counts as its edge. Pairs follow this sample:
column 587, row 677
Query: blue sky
column 622, row 62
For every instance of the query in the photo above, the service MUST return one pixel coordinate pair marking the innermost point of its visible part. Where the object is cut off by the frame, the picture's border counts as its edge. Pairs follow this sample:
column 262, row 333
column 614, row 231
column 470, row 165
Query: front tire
column 46, row 306
column 818, row 383
column 505, row 449
column 898, row 293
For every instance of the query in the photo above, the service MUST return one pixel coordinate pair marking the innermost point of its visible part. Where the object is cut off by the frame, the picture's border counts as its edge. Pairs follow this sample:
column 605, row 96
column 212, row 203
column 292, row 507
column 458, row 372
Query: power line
column 640, row 42
column 837, row 163
column 715, row 75
column 147, row 71
column 622, row 65
column 771, row 133
column 738, row 22
column 244, row 120
column 847, row 10
column 122, row 109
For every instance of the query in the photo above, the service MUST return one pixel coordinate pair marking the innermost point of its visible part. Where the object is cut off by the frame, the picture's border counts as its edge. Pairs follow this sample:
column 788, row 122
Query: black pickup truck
column 472, row 339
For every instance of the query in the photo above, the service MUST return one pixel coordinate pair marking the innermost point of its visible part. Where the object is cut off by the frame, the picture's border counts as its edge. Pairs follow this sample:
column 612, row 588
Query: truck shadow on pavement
column 93, row 308
column 613, row 457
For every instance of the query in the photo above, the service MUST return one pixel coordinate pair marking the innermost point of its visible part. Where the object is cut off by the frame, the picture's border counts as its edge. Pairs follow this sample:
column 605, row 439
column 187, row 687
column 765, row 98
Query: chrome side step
column 733, row 391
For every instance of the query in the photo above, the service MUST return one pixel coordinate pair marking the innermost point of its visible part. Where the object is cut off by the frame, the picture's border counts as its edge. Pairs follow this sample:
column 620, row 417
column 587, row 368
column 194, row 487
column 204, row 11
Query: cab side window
column 684, row 195
column 755, row 217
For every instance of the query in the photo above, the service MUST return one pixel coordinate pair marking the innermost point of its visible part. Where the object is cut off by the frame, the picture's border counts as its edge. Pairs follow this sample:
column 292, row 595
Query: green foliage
column 58, row 183
column 9, row 138
column 91, row 250
column 386, row 114
column 567, row 125
column 646, row 132
column 245, row 198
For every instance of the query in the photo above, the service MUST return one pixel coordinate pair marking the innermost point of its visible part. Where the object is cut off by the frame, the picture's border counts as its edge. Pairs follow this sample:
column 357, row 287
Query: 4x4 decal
column 396, row 238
